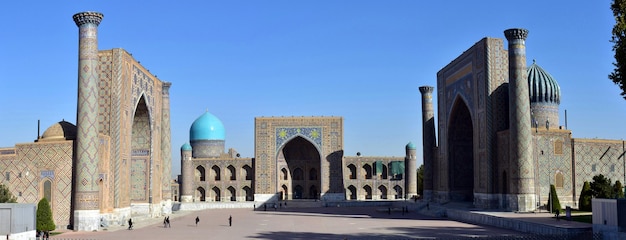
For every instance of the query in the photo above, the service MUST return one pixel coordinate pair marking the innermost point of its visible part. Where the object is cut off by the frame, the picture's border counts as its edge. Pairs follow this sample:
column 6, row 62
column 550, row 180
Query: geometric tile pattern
column 522, row 173
column 33, row 163
column 166, row 152
column 325, row 132
column 86, row 197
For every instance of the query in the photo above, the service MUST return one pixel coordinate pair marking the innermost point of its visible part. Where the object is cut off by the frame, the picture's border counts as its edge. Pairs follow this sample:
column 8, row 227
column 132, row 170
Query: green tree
column 420, row 180
column 618, row 190
column 601, row 187
column 5, row 195
column 584, row 201
column 553, row 202
column 44, row 216
column 619, row 45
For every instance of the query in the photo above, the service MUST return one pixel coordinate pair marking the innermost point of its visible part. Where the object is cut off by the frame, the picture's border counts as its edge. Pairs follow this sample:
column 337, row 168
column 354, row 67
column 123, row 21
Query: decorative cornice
column 88, row 17
column 426, row 89
column 516, row 33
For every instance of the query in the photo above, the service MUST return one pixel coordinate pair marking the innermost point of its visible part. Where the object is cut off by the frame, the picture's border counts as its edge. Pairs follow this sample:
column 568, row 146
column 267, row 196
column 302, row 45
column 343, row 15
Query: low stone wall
column 513, row 224
column 194, row 206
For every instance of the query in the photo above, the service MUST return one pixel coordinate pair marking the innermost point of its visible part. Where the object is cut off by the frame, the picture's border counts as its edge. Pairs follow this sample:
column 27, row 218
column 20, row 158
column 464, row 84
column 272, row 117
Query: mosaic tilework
column 87, row 116
column 519, row 113
column 139, row 176
column 166, row 142
column 311, row 133
column 31, row 165
column 266, row 149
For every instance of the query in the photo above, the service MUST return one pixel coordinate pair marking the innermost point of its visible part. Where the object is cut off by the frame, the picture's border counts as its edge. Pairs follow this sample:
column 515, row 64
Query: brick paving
column 296, row 223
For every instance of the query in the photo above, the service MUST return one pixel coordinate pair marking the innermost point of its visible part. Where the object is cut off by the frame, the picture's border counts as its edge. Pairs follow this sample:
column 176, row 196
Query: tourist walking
column 167, row 222
column 197, row 220
column 130, row 224
column 230, row 221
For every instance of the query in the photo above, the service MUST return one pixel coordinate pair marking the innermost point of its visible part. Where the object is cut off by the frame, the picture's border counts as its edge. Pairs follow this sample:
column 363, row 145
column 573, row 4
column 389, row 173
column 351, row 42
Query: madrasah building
column 495, row 147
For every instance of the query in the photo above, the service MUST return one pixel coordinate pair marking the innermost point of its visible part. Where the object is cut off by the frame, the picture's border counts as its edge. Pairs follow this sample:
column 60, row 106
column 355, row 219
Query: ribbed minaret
column 186, row 169
column 86, row 191
column 410, row 161
column 522, row 169
column 428, row 139
column 166, row 142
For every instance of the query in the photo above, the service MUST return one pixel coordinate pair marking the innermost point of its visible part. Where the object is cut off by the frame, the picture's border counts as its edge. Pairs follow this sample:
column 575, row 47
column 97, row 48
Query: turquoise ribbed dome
column 207, row 127
column 185, row 147
column 543, row 88
column 410, row 145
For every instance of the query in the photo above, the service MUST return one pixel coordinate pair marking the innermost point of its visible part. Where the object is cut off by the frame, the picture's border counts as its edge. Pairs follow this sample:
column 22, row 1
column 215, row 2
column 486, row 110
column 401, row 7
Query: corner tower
column 522, row 191
column 86, row 190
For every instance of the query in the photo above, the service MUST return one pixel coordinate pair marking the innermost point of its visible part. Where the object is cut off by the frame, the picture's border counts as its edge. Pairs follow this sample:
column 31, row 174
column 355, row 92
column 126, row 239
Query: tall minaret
column 522, row 184
column 166, row 142
column 428, row 139
column 86, row 190
column 410, row 163
column 186, row 169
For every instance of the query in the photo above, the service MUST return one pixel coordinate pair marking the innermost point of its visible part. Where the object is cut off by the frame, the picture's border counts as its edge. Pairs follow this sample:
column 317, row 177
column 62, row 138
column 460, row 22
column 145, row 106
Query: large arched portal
column 461, row 153
column 302, row 161
column 140, row 161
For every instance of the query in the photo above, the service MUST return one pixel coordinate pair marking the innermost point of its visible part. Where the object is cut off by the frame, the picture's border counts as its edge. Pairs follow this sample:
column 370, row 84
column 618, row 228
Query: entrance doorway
column 299, row 170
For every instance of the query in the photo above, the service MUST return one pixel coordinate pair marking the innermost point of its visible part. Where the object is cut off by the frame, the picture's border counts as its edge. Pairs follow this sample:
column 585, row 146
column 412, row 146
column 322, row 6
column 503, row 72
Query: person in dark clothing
column 130, row 224
column 167, row 221
column 230, row 221
column 197, row 220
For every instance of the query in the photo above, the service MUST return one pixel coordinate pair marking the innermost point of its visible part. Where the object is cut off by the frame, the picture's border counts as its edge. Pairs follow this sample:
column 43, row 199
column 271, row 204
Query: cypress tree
column 618, row 190
column 44, row 216
column 584, row 201
column 553, row 201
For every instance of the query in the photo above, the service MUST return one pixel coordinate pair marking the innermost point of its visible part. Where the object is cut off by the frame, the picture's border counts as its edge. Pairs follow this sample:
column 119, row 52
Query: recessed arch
column 461, row 151
column 217, row 194
column 352, row 192
column 200, row 174
column 232, row 172
column 352, row 170
column 200, row 194
column 382, row 192
column 368, row 191
column 299, row 161
column 367, row 171
column 247, row 172
column 141, row 145
column 216, row 172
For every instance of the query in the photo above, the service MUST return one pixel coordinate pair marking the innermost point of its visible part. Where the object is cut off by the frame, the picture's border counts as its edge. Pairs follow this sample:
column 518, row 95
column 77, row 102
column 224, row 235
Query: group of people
column 230, row 220
column 166, row 222
column 44, row 235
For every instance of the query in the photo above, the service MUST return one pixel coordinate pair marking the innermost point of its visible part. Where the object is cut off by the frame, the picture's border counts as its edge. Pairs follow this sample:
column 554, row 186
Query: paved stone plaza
column 302, row 223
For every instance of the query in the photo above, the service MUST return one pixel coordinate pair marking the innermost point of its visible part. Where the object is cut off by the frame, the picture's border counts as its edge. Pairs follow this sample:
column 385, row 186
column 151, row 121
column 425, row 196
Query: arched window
column 352, row 191
column 216, row 172
column 382, row 191
column 233, row 193
column 368, row 192
column 200, row 174
column 284, row 172
column 297, row 174
column 200, row 194
column 47, row 190
column 247, row 170
column 352, row 170
column 367, row 171
column 233, row 172
column 216, row 194
column 399, row 193
column 558, row 180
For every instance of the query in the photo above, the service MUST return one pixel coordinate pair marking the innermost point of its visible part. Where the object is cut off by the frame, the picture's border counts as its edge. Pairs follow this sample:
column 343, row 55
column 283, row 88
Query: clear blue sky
column 362, row 60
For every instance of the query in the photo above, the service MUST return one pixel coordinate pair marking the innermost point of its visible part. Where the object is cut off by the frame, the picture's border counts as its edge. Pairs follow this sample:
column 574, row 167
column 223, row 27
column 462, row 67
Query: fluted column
column 86, row 190
column 428, row 139
column 410, row 163
column 166, row 142
column 522, row 169
column 186, row 166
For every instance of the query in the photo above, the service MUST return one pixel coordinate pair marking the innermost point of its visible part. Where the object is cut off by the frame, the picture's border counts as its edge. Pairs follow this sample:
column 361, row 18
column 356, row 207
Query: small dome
column 185, row 147
column 207, row 127
column 60, row 131
column 542, row 87
column 410, row 146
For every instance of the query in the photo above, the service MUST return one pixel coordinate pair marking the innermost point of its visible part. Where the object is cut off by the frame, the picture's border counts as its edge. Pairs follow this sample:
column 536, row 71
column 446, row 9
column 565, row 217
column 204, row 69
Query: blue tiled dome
column 410, row 145
column 185, row 147
column 207, row 127
column 542, row 87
